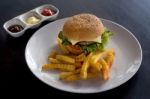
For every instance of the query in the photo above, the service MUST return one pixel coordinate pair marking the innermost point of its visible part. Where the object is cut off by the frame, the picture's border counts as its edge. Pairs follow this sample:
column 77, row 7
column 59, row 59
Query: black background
column 15, row 77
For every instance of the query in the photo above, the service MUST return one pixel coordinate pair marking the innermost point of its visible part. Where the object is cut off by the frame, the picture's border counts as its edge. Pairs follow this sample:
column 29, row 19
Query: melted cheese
column 98, row 39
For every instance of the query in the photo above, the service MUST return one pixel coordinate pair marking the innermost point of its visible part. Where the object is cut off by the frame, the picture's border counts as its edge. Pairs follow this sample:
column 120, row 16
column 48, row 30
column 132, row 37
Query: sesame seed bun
column 83, row 27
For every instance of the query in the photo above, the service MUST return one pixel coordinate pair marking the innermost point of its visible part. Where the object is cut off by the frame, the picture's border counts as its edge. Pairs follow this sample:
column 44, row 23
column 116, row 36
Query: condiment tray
column 31, row 19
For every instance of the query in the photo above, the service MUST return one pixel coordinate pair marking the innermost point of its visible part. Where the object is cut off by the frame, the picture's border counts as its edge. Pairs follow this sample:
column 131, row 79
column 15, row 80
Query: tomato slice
column 74, row 49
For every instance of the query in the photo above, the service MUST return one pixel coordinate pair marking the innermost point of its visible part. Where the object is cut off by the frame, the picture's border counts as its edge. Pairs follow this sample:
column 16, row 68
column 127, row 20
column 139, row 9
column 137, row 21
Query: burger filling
column 88, row 46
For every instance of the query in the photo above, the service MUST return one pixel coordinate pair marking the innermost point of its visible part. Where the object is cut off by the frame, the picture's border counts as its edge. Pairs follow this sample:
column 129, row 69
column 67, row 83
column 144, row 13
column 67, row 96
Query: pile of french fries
column 81, row 67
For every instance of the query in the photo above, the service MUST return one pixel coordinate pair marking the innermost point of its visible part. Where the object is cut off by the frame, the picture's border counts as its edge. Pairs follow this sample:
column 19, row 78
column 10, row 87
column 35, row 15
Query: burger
column 84, row 33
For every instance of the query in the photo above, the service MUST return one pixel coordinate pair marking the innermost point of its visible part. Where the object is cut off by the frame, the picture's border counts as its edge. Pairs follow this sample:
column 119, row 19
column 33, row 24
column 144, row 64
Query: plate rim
column 89, row 92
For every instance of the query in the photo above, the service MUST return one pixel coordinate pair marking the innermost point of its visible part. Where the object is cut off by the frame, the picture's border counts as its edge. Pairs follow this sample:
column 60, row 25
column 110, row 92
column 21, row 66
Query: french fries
column 62, row 67
column 96, row 65
column 75, row 77
column 65, row 59
column 53, row 60
column 78, row 64
column 80, row 58
column 52, row 54
column 64, row 75
column 72, row 78
column 85, row 66
column 110, row 59
column 81, row 67
column 105, row 69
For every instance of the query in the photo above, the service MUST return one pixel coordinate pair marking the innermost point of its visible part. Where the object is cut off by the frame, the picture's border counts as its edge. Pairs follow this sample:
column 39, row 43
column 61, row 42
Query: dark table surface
column 15, row 75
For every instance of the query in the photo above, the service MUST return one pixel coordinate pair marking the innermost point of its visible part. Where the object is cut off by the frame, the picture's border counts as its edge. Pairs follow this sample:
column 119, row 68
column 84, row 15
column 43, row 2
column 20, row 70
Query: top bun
column 83, row 27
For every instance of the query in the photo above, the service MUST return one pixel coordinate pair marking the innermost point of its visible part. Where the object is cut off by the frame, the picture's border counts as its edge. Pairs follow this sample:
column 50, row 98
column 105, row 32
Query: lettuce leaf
column 92, row 47
column 106, row 36
column 65, row 41
column 100, row 46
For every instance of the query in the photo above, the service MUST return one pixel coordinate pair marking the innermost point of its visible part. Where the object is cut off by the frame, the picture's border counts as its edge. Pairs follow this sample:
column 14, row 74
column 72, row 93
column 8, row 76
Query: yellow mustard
column 32, row 20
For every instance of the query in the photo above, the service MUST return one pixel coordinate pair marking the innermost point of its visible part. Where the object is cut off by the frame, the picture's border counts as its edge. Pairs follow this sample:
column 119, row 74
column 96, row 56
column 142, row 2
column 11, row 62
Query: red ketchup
column 47, row 12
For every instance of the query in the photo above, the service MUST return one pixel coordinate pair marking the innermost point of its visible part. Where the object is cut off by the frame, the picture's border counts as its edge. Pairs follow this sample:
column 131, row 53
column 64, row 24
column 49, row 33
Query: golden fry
column 100, row 55
column 105, row 69
column 80, row 58
column 45, row 67
column 52, row 54
column 96, row 65
column 64, row 75
column 65, row 59
column 109, row 59
column 78, row 64
column 62, row 67
column 72, row 78
column 53, row 60
column 75, row 77
column 85, row 67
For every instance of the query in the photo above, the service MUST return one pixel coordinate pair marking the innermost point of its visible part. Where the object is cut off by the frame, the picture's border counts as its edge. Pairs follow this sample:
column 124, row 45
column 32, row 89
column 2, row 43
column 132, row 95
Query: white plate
column 127, row 62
